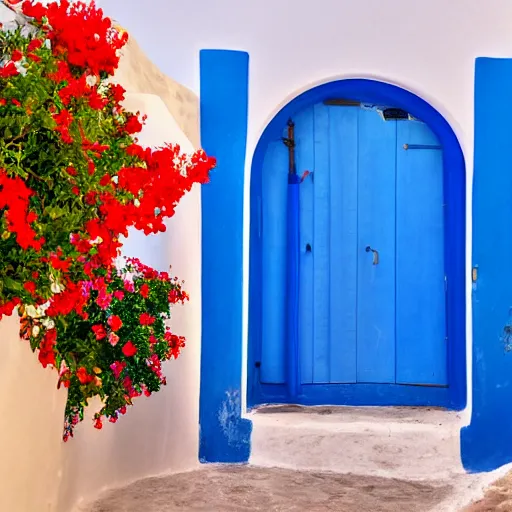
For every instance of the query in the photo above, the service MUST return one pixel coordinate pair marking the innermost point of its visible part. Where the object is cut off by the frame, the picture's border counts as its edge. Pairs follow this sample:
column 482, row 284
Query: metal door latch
column 375, row 255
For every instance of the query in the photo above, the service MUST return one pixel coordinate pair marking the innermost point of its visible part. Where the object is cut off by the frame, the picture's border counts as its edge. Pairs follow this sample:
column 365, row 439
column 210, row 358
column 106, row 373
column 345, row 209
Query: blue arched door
column 372, row 282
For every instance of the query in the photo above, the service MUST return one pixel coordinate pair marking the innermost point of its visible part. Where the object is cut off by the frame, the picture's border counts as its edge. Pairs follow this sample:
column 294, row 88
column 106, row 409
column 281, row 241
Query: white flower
column 48, row 323
column 91, row 80
column 31, row 311
column 56, row 287
column 35, row 330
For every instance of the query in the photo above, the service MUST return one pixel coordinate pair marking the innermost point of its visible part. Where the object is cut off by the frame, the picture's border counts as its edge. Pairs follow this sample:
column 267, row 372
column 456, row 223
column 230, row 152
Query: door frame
column 454, row 180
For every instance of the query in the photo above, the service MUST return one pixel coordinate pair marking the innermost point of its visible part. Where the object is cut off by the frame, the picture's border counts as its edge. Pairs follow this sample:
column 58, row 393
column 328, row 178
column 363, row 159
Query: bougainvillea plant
column 73, row 180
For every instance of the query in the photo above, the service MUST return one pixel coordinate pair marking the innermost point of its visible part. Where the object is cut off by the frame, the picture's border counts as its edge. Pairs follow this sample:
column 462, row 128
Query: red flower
column 35, row 44
column 8, row 307
column 115, row 322
column 146, row 319
column 46, row 348
column 119, row 295
column 96, row 101
column 133, row 125
column 90, row 197
column 83, row 376
column 31, row 10
column 3, row 102
column 75, row 191
column 105, row 180
column 9, row 70
column 33, row 57
column 129, row 349
column 71, row 171
column 98, row 424
column 16, row 102
column 144, row 290
column 30, row 286
column 16, row 56
column 99, row 331
column 117, row 92
column 62, row 73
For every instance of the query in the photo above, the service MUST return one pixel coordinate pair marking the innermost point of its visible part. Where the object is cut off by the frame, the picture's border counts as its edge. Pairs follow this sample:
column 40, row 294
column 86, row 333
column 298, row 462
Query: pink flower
column 129, row 287
column 113, row 339
column 117, row 368
column 103, row 300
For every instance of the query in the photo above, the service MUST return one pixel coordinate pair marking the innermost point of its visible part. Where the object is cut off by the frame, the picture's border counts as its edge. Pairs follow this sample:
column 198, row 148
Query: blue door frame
column 375, row 92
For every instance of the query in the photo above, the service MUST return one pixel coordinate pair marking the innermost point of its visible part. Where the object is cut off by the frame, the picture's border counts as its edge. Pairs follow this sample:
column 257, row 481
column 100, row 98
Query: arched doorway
column 375, row 312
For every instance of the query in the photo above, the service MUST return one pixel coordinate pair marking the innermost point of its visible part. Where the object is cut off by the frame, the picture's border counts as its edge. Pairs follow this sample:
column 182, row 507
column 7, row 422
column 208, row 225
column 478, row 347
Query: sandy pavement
column 245, row 488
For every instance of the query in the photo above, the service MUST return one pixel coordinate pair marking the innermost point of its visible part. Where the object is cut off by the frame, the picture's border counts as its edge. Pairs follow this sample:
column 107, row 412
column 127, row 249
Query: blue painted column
column 292, row 303
column 224, row 435
column 487, row 442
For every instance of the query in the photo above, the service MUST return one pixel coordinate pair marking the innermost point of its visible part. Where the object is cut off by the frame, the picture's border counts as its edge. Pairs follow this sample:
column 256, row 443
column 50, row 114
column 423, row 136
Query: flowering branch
column 72, row 181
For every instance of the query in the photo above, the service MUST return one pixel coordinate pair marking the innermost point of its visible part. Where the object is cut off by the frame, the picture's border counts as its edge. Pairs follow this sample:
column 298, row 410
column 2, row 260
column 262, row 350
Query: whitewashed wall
column 428, row 48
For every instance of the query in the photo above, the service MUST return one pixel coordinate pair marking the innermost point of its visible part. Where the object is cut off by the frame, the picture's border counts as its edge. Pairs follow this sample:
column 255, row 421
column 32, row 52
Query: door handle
column 375, row 255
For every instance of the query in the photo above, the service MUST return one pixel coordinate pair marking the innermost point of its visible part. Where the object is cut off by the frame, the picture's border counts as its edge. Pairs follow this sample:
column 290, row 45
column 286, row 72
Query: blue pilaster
column 224, row 435
column 486, row 443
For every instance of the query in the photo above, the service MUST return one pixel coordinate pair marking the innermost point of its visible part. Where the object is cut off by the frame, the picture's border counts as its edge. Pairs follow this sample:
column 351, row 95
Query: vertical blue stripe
column 486, row 442
column 306, row 162
column 376, row 228
column 321, row 247
column 274, row 263
column 224, row 435
column 421, row 337
column 292, row 253
column 343, row 253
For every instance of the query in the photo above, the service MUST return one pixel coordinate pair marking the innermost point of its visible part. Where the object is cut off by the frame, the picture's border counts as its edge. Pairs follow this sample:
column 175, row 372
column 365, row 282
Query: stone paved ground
column 498, row 497
column 248, row 489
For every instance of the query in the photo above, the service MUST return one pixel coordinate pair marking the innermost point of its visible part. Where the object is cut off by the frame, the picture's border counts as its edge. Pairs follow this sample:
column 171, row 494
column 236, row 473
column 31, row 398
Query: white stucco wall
column 38, row 472
column 428, row 48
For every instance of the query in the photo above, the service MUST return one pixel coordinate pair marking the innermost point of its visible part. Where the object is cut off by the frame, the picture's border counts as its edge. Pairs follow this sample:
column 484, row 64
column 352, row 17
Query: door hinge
column 474, row 273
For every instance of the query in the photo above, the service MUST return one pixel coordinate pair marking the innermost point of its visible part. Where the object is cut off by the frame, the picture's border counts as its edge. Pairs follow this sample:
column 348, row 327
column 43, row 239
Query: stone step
column 401, row 442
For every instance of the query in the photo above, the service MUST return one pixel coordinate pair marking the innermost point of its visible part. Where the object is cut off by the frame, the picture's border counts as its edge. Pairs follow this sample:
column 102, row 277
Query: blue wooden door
column 371, row 277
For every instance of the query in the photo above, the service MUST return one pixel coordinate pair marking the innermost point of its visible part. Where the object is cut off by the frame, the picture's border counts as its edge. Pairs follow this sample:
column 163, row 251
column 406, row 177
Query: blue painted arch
column 375, row 92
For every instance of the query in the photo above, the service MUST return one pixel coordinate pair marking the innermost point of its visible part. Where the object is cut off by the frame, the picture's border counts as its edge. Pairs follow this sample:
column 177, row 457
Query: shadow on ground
column 245, row 488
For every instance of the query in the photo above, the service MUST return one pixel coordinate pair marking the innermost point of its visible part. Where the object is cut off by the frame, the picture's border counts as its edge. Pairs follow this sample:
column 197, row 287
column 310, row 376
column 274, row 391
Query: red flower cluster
column 80, row 34
column 14, row 198
column 74, row 175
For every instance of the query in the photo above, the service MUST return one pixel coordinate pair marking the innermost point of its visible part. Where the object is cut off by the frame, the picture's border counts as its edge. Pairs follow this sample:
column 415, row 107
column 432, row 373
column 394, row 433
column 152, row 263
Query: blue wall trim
column 224, row 436
column 486, row 443
column 375, row 92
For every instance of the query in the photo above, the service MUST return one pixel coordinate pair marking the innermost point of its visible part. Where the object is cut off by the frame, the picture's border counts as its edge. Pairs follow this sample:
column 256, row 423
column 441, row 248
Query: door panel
column 420, row 286
column 376, row 228
column 305, row 160
column 273, row 289
column 321, row 247
column 343, row 137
